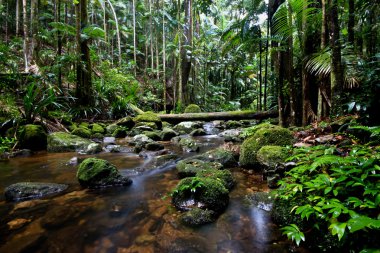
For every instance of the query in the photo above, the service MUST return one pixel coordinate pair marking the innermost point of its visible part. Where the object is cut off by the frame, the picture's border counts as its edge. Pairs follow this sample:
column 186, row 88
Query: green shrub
column 192, row 108
column 342, row 192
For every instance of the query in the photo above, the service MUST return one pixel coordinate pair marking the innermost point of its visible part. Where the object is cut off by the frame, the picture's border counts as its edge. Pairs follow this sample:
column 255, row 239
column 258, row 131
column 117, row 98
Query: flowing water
column 139, row 218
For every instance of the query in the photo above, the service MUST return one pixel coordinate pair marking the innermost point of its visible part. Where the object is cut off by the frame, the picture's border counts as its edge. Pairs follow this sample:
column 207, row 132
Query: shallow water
column 138, row 218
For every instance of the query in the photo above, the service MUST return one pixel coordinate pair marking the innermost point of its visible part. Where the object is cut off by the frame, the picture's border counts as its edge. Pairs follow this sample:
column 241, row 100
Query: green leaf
column 360, row 222
column 338, row 229
column 293, row 233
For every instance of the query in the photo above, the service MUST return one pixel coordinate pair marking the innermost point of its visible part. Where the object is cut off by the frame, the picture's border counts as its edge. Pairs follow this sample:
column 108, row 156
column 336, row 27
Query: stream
column 138, row 218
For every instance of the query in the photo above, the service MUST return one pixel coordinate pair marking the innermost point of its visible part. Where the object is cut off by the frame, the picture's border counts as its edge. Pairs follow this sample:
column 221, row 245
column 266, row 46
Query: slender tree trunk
column 17, row 17
column 180, row 95
column 117, row 31
column 290, row 78
column 260, row 75
column 280, row 92
column 84, row 84
column 186, row 62
column 59, row 46
column 6, row 22
column 26, row 35
column 337, row 72
column 351, row 22
column 134, row 37
column 151, row 37
column 266, row 61
column 163, row 55
column 157, row 57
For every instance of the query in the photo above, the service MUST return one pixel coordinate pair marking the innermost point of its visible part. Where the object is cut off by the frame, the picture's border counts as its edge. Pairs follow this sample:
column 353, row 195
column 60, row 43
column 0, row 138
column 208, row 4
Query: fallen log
column 210, row 116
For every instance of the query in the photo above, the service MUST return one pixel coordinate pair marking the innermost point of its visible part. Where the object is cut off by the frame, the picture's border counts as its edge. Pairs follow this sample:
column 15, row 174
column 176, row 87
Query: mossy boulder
column 31, row 190
column 151, row 125
column 94, row 173
column 250, row 131
column 111, row 128
column 119, row 132
column 269, row 156
column 224, row 176
column 188, row 145
column 192, row 108
column 93, row 148
column 82, row 132
column 97, row 136
column 153, row 135
column 33, row 137
column 148, row 117
column 200, row 192
column 187, row 127
column 97, row 128
column 220, row 155
column 154, row 146
column 65, row 142
column 197, row 217
column 141, row 140
column 190, row 167
column 276, row 136
column 167, row 134
column 136, row 130
column 233, row 124
column 84, row 125
column 126, row 122
column 198, row 132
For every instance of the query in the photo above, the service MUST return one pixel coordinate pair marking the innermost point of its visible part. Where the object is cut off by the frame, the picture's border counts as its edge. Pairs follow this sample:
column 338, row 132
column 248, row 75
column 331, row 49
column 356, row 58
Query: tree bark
column 117, row 31
column 266, row 60
column 337, row 72
column 351, row 21
column 26, row 35
column 209, row 116
column 163, row 55
column 134, row 37
column 17, row 17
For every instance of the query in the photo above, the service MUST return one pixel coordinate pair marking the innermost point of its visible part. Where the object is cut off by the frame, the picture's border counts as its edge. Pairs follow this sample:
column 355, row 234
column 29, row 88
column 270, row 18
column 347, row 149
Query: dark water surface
column 138, row 218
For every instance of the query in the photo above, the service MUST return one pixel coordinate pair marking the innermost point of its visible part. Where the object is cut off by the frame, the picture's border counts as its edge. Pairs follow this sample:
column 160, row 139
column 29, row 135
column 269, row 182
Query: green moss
column 197, row 217
column 167, row 134
column 33, row 137
column 224, row 176
column 111, row 128
column 193, row 108
column 8, row 107
column 269, row 156
column 93, row 172
column 82, row 132
column 84, row 125
column 126, row 122
column 250, row 131
column 153, row 135
column 233, row 124
column 149, row 117
column 96, row 128
column 276, row 136
column 201, row 192
column 189, row 167
column 188, row 145
column 146, row 124
column 65, row 142
column 97, row 136
column 119, row 133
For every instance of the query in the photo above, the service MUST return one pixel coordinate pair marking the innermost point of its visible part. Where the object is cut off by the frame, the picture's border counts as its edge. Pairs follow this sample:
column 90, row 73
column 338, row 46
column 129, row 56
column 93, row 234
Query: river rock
column 148, row 117
column 261, row 200
column 82, row 132
column 33, row 137
column 141, row 140
column 93, row 173
column 31, row 190
column 153, row 135
column 111, row 128
column 188, row 145
column 109, row 140
column 220, row 155
column 198, row 132
column 119, row 132
column 223, row 176
column 197, row 217
column 154, row 146
column 190, row 167
column 187, row 127
column 93, row 148
column 205, row 193
column 270, row 156
column 126, row 122
column 168, row 133
column 65, row 142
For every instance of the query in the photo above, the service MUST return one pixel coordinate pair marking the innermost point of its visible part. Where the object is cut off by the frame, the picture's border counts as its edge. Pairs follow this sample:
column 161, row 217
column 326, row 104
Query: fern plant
column 343, row 192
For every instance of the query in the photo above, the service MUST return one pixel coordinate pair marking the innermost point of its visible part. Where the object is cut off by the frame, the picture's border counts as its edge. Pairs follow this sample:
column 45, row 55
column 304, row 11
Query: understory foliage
column 342, row 190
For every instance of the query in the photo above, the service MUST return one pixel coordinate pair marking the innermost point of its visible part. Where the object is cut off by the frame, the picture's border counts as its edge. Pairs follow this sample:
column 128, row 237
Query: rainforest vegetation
column 84, row 70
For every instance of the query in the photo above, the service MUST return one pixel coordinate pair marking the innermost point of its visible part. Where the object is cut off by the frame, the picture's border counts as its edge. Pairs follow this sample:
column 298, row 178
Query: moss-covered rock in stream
column 189, row 145
column 192, row 108
column 154, row 146
column 93, row 173
column 97, row 128
column 119, row 132
column 187, row 127
column 250, row 131
column 65, row 142
column 219, row 155
column 224, row 176
column 197, row 217
column 269, row 156
column 200, row 192
column 153, row 135
column 233, row 124
column 167, row 134
column 148, row 117
column 190, row 167
column 33, row 137
column 82, row 132
column 276, row 136
column 126, row 122
column 31, row 190
column 198, row 132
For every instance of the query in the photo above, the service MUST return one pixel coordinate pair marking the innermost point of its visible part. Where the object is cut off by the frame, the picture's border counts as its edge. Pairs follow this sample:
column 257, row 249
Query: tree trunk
column 59, row 47
column 351, row 21
column 266, row 61
column 151, row 37
column 17, row 17
column 134, row 37
column 163, row 55
column 186, row 62
column 117, row 31
column 337, row 72
column 180, row 94
column 26, row 35
column 84, row 84
column 260, row 74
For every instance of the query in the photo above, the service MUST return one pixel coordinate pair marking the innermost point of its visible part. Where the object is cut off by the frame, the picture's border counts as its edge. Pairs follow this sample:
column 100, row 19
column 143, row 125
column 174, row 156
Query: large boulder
column 65, row 142
column 97, row 128
column 223, row 176
column 200, row 192
column 193, row 108
column 270, row 156
column 94, row 173
column 82, row 132
column 277, row 136
column 148, row 117
column 220, row 155
column 198, row 132
column 250, row 131
column 141, row 140
column 31, row 190
column 168, row 133
column 33, row 137
column 190, row 167
column 187, row 127
column 126, row 122
column 188, row 145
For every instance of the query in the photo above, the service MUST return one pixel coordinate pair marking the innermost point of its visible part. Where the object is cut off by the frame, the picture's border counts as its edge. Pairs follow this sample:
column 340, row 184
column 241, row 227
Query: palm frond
column 319, row 63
